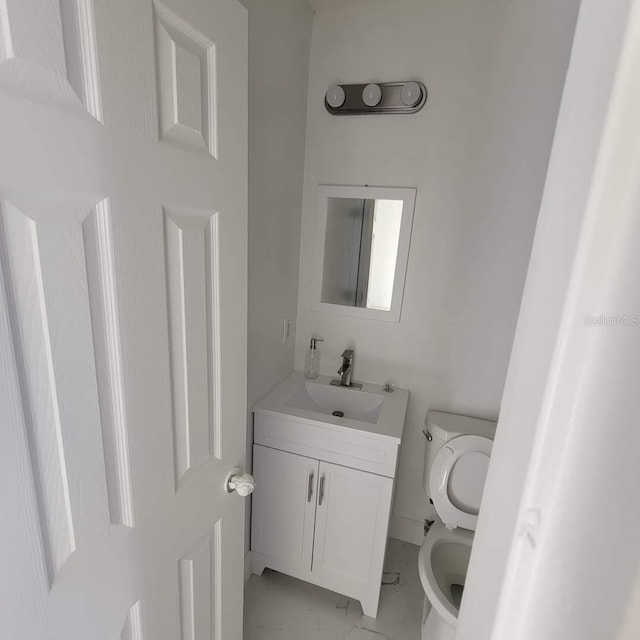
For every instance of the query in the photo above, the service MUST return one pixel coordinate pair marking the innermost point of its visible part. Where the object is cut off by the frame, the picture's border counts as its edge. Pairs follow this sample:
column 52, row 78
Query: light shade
column 335, row 96
column 411, row 94
column 371, row 95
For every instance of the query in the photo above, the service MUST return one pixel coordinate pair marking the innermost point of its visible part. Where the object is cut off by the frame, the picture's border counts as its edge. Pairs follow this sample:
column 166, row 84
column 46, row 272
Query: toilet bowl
column 456, row 461
column 442, row 565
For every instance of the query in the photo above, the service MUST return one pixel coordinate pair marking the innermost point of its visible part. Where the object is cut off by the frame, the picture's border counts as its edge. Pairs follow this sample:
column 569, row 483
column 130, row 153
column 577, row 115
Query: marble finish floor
column 278, row 607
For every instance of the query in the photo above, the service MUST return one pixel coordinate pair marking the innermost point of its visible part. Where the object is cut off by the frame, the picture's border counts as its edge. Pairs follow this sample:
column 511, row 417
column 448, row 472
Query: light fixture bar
column 397, row 97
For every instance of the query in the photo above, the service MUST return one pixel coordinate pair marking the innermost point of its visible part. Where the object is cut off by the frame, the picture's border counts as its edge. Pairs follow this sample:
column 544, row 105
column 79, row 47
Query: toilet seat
column 457, row 480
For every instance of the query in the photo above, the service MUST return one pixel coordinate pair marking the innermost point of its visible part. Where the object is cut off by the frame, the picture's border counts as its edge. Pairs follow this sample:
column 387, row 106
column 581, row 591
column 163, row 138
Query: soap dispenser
column 312, row 360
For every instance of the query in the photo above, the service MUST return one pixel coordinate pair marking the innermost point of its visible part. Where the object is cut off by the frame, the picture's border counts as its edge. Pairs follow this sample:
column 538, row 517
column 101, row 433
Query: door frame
column 580, row 265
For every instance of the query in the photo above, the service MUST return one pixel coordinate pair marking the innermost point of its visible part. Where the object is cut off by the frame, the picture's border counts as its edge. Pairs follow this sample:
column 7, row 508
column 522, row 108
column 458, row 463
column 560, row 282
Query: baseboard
column 407, row 530
column 247, row 567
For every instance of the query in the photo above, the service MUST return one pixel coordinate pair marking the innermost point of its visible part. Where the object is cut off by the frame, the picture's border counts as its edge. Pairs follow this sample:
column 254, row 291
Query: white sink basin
column 341, row 402
column 369, row 409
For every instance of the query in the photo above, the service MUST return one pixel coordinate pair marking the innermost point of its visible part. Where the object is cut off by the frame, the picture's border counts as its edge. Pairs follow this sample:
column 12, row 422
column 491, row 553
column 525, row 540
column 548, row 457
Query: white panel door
column 122, row 318
column 284, row 506
column 351, row 532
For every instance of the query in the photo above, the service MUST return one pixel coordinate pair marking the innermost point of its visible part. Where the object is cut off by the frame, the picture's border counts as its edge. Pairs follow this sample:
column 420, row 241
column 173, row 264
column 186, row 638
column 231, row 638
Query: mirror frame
column 408, row 197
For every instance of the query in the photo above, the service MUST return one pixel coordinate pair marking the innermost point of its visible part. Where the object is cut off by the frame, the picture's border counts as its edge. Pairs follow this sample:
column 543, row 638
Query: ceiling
column 318, row 5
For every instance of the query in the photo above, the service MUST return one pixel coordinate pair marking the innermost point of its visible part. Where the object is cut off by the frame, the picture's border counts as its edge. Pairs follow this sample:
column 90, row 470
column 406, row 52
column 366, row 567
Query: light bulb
column 335, row 96
column 411, row 94
column 371, row 95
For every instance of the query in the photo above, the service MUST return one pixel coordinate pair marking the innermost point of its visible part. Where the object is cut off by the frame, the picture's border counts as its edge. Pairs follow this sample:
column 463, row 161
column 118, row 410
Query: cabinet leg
column 257, row 565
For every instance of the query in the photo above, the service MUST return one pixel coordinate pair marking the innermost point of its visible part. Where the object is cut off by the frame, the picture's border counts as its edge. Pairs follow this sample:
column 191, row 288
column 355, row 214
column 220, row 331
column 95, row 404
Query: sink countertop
column 390, row 423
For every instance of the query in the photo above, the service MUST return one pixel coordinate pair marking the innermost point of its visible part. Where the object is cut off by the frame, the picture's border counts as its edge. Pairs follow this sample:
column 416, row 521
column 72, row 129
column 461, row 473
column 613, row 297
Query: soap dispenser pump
column 312, row 360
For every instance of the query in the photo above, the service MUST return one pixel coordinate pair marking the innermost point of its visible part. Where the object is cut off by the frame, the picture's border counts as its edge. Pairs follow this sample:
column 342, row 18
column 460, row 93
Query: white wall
column 279, row 47
column 477, row 154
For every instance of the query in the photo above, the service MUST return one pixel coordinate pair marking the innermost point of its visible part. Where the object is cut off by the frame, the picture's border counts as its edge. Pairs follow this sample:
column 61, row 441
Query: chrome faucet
column 345, row 371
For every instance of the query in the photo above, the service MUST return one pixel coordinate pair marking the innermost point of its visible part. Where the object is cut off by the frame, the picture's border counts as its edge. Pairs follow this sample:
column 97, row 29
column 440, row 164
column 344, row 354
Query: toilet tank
column 441, row 427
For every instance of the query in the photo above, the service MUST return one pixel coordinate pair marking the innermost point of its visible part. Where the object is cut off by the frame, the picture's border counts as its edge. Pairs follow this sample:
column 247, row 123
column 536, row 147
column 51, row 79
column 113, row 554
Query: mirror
column 360, row 250
column 363, row 244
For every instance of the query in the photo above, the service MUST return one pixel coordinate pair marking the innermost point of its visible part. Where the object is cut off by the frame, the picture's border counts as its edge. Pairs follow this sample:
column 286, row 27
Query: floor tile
column 278, row 607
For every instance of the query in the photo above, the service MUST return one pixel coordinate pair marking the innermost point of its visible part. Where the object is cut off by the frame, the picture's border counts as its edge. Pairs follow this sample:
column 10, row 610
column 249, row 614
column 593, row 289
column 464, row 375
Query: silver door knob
column 242, row 483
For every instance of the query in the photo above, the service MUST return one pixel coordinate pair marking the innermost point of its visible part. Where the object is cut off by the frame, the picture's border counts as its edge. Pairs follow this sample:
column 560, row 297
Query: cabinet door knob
column 321, row 494
column 243, row 483
column 310, row 487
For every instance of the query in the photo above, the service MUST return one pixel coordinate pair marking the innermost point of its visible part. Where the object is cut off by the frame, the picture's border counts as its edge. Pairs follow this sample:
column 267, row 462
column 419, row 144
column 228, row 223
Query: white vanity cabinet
column 352, row 520
column 284, row 509
column 322, row 503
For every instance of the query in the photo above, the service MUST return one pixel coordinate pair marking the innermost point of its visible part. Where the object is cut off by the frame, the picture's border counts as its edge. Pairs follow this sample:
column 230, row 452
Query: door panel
column 122, row 319
column 350, row 532
column 44, row 247
column 284, row 506
column 186, row 70
column 191, row 245
column 36, row 59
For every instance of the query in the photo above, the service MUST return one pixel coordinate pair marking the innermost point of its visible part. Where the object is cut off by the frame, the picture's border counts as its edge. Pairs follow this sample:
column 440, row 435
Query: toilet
column 457, row 452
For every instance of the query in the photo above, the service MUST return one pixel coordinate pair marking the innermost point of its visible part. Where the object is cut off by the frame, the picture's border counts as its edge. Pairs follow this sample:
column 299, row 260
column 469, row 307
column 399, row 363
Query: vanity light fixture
column 384, row 97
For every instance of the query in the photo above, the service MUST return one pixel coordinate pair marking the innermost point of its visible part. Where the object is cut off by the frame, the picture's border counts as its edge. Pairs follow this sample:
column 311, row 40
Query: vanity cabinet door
column 352, row 522
column 284, row 505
